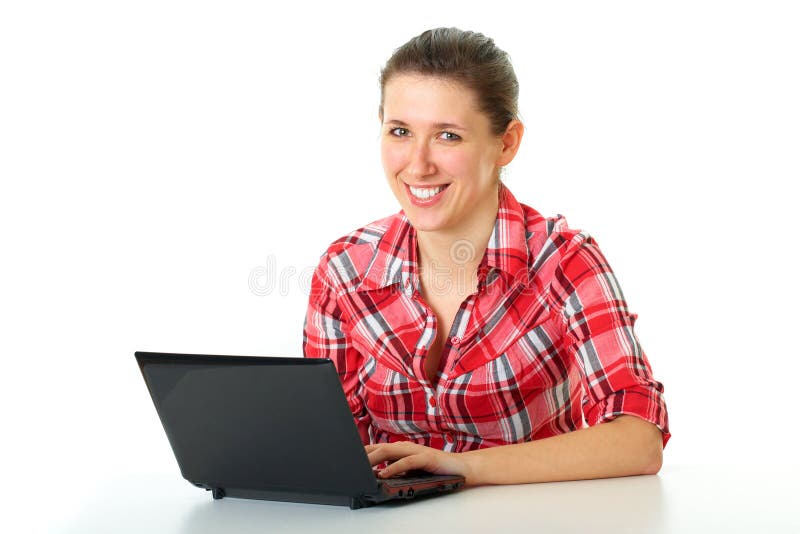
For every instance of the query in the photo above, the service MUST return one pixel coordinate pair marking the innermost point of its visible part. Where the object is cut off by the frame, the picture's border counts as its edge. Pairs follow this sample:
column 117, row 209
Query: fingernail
column 382, row 473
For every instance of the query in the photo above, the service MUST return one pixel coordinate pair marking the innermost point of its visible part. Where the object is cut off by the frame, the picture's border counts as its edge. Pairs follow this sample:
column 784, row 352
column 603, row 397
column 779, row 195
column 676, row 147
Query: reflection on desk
column 679, row 499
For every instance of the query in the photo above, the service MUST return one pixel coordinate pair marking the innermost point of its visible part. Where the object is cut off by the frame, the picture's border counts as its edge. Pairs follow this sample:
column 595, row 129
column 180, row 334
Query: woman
column 472, row 335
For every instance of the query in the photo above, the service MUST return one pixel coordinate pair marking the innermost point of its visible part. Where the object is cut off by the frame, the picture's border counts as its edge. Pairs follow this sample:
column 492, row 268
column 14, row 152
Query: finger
column 391, row 451
column 373, row 446
column 415, row 461
column 370, row 449
column 383, row 455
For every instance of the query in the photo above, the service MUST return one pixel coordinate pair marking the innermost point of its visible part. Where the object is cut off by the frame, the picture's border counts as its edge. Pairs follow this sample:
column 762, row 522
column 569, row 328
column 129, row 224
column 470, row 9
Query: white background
column 155, row 155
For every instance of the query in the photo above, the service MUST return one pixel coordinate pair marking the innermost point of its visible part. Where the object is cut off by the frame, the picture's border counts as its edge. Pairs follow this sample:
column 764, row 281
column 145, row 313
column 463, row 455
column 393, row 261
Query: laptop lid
column 260, row 427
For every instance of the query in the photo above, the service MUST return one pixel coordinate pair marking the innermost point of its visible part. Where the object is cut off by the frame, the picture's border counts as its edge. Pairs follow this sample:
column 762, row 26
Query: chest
column 411, row 331
column 445, row 308
column 501, row 400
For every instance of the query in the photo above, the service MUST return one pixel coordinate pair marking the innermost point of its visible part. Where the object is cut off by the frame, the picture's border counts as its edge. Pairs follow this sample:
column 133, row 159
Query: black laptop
column 269, row 428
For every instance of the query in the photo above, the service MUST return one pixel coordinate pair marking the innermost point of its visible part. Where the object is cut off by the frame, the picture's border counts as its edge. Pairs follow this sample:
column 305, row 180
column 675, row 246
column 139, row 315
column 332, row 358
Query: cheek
column 392, row 158
column 458, row 162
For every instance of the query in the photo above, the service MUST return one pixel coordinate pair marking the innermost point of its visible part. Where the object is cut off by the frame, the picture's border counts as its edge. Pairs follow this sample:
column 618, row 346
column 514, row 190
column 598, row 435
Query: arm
column 623, row 447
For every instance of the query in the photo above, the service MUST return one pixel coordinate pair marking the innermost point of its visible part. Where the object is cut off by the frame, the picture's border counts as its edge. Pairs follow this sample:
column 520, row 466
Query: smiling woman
column 440, row 155
column 472, row 334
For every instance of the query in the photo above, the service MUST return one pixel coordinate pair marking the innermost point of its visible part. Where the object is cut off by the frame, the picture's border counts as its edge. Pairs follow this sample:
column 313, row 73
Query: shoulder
column 347, row 259
column 361, row 238
column 551, row 237
column 565, row 262
column 559, row 254
column 545, row 237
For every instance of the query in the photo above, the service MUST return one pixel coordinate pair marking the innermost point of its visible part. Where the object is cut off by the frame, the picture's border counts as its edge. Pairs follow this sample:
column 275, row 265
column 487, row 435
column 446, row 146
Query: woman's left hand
column 406, row 455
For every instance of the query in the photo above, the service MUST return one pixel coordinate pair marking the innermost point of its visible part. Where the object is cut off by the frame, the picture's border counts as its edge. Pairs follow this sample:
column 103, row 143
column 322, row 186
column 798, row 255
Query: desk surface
column 679, row 499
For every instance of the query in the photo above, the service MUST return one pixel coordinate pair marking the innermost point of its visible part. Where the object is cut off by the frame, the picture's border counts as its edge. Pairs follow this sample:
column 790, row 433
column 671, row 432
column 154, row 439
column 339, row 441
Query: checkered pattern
column 545, row 346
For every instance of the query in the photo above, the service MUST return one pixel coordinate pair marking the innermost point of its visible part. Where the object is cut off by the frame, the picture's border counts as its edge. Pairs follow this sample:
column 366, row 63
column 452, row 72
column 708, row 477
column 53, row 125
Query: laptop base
column 337, row 500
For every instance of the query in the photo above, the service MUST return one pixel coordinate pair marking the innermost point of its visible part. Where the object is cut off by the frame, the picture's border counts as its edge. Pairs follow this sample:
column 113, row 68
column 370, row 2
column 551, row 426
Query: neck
column 462, row 246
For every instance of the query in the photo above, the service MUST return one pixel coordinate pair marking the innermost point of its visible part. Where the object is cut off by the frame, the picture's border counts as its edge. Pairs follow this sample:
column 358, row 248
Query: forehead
column 414, row 98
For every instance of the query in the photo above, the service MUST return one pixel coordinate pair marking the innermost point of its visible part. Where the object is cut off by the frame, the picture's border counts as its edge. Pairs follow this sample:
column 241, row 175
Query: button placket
column 433, row 406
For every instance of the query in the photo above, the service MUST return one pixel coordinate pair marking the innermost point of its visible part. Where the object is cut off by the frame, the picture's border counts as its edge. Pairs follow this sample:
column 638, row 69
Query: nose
column 420, row 163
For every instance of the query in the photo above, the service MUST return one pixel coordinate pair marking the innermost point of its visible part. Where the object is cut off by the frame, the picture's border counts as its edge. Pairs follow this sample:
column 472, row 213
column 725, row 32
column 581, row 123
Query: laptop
column 270, row 428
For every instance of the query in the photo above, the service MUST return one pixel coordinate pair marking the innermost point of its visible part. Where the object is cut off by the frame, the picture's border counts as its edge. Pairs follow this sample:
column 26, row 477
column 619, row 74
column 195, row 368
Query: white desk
column 679, row 499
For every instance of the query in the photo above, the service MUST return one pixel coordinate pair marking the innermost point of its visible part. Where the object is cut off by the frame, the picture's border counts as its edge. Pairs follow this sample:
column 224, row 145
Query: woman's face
column 438, row 152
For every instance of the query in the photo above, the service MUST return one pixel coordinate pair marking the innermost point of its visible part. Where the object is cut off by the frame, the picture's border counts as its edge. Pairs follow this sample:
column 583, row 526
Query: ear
column 510, row 141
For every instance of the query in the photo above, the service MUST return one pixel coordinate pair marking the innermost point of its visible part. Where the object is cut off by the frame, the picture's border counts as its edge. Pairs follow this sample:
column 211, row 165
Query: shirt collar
column 395, row 257
column 507, row 249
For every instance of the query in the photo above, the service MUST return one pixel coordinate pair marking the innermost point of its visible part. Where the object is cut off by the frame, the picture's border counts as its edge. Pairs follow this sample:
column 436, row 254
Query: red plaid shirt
column 545, row 346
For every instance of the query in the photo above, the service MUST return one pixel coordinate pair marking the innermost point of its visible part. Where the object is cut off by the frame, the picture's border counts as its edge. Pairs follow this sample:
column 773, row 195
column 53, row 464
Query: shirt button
column 432, row 402
column 455, row 340
column 448, row 438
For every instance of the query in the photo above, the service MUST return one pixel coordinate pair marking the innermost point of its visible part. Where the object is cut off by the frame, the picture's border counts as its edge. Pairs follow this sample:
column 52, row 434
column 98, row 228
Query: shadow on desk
column 630, row 504
column 680, row 499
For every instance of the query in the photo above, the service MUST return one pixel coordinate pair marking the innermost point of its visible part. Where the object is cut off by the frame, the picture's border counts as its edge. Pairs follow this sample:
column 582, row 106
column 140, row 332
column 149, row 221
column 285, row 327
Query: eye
column 449, row 136
column 399, row 132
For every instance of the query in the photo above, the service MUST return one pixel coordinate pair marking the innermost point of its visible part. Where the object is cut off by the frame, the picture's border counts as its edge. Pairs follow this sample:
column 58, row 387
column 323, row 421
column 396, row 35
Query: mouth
column 425, row 195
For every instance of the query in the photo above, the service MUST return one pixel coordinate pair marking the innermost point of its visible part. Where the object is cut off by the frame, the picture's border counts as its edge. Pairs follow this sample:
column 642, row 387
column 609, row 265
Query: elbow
column 653, row 447
column 648, row 443
column 653, row 462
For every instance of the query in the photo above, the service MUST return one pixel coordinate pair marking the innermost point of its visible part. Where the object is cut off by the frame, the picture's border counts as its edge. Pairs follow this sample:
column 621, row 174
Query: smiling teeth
column 423, row 193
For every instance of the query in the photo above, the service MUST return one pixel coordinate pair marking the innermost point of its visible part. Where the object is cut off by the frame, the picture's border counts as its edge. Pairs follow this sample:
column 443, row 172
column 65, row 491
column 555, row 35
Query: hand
column 406, row 455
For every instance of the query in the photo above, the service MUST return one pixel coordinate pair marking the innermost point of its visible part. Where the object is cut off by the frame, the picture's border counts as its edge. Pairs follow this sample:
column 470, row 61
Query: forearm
column 623, row 447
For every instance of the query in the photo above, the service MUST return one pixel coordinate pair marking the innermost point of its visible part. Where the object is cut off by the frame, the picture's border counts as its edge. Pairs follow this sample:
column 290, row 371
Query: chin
column 425, row 224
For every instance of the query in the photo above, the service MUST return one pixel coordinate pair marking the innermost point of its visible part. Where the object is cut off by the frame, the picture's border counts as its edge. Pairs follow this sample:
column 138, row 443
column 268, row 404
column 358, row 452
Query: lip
column 428, row 201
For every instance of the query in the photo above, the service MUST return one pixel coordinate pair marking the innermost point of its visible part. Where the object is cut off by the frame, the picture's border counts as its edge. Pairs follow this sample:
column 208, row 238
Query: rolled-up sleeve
column 325, row 336
column 599, row 335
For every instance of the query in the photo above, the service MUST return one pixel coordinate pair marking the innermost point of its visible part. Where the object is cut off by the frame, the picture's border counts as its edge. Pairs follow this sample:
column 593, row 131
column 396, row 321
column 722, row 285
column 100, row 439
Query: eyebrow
column 438, row 125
